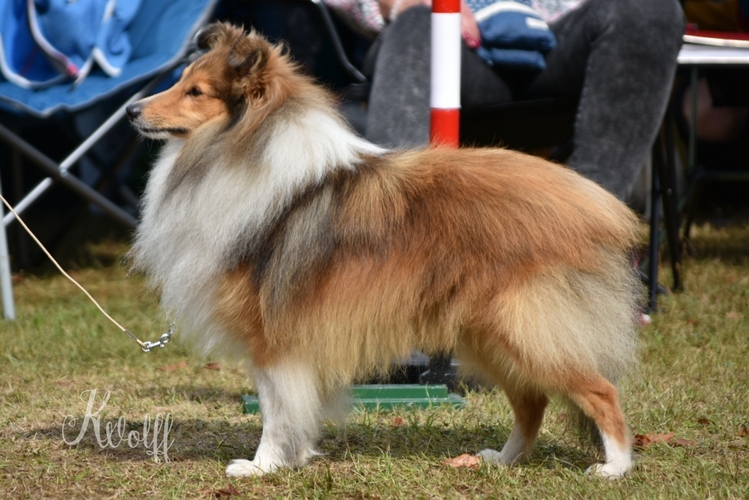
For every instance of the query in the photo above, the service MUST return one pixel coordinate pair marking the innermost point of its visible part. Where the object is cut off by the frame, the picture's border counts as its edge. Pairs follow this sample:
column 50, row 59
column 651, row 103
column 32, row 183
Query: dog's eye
column 195, row 91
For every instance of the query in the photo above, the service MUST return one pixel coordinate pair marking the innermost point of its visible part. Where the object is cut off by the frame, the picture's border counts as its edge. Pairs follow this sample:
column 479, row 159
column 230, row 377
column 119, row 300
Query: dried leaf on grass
column 704, row 421
column 643, row 441
column 175, row 366
column 212, row 366
column 743, row 430
column 399, row 422
column 464, row 461
column 227, row 491
column 733, row 315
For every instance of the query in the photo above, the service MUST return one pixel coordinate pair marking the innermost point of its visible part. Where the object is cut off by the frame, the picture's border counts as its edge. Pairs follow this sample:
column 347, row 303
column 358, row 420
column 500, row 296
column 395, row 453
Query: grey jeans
column 617, row 56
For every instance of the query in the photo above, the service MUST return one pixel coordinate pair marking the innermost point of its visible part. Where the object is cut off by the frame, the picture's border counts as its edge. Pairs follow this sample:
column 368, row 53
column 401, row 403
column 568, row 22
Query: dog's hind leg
column 528, row 408
column 597, row 397
column 290, row 405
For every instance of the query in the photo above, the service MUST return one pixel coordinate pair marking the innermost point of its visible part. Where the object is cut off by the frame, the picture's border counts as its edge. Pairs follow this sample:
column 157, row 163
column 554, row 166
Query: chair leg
column 695, row 186
column 692, row 198
column 655, row 198
column 667, row 176
column 6, row 284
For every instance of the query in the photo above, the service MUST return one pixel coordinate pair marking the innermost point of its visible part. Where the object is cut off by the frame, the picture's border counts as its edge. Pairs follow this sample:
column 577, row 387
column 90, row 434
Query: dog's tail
column 616, row 354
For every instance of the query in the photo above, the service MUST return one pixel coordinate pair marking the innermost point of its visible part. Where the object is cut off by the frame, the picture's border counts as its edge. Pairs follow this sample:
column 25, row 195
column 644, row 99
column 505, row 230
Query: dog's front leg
column 290, row 406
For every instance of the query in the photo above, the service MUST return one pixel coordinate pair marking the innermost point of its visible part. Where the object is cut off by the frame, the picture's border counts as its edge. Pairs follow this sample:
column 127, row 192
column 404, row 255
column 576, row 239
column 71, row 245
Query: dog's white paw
column 247, row 468
column 610, row 470
column 493, row 457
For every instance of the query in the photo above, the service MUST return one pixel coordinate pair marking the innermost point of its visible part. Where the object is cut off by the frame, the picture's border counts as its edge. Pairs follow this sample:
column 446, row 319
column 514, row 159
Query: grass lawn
column 691, row 388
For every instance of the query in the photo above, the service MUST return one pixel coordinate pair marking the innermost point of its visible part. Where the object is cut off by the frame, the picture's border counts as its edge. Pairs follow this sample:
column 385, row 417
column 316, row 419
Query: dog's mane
column 280, row 143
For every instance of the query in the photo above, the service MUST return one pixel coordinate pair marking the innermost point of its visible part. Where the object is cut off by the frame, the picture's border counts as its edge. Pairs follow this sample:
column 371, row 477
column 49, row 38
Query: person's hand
column 468, row 26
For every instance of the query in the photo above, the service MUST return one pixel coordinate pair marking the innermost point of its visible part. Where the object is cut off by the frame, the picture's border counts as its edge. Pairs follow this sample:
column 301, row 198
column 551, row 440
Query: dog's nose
column 133, row 111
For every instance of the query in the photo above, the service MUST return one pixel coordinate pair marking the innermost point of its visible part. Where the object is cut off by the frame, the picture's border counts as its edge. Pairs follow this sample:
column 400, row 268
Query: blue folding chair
column 161, row 34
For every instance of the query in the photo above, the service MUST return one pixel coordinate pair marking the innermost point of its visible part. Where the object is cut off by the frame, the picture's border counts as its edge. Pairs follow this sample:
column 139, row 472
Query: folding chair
column 161, row 35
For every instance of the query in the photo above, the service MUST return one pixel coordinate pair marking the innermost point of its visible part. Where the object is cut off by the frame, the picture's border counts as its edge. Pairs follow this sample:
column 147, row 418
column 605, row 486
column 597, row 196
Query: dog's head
column 234, row 75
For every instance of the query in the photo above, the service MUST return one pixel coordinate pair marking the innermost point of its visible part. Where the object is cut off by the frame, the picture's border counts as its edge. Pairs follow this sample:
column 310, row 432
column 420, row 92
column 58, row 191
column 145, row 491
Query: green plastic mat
column 387, row 397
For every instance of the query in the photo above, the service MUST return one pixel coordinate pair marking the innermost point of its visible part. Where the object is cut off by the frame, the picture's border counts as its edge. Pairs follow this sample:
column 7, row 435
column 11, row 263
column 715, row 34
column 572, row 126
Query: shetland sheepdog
column 273, row 230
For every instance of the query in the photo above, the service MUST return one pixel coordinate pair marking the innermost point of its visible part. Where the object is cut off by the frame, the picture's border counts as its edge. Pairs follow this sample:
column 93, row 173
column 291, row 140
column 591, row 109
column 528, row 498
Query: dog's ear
column 249, row 58
column 249, row 54
column 217, row 34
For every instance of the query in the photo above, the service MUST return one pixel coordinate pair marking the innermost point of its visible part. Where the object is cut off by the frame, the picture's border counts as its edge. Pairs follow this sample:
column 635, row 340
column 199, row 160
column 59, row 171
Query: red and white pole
column 445, row 77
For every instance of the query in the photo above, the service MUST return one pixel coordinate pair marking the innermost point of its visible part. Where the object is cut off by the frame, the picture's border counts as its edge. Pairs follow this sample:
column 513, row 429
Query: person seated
column 616, row 57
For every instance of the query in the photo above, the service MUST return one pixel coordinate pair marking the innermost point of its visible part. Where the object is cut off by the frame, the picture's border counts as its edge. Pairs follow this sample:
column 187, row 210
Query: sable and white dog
column 273, row 229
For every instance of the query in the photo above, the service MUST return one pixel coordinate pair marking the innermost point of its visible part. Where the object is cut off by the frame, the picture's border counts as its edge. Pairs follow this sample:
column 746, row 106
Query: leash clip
column 162, row 342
